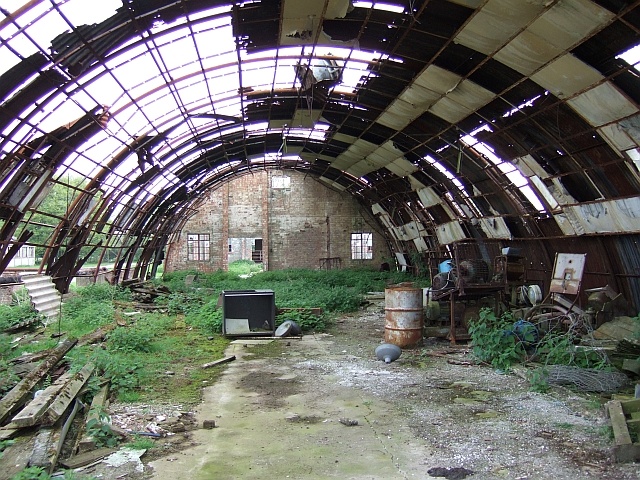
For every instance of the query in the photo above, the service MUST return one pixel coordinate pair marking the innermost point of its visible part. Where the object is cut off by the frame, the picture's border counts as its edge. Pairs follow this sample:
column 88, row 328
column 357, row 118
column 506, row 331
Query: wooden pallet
column 625, row 420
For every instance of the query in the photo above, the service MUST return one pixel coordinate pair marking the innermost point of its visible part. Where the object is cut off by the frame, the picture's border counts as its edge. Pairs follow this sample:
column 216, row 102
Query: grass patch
column 158, row 356
column 268, row 349
column 334, row 291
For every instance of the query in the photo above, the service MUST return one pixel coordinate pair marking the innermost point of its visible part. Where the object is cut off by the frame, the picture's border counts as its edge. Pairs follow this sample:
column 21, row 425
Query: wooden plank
column 219, row 362
column 624, row 449
column 67, row 395
column 630, row 406
column 618, row 422
column 83, row 459
column 44, row 449
column 33, row 411
column 86, row 442
column 8, row 431
column 15, row 457
column 18, row 394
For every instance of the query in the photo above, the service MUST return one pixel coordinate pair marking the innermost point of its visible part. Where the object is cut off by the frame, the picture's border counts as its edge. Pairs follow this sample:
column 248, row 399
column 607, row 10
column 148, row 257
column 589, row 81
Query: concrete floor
column 293, row 421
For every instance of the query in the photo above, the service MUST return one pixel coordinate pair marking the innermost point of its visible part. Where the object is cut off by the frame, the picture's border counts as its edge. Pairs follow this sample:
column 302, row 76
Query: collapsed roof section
column 450, row 119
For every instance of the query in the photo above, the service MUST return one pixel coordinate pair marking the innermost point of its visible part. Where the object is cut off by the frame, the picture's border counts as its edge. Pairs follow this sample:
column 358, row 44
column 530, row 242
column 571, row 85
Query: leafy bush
column 123, row 371
column 32, row 473
column 181, row 302
column 305, row 320
column 130, row 339
column 101, row 292
column 208, row 317
column 501, row 342
column 335, row 291
column 13, row 314
column 493, row 340
column 244, row 267
column 4, row 444
column 81, row 317
column 141, row 443
column 100, row 430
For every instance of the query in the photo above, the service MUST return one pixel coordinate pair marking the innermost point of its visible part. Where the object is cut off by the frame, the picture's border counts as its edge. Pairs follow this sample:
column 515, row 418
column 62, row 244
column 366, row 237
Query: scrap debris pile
column 55, row 418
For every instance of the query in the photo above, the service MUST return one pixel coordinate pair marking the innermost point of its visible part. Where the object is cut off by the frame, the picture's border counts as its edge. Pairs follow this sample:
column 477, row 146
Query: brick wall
column 299, row 225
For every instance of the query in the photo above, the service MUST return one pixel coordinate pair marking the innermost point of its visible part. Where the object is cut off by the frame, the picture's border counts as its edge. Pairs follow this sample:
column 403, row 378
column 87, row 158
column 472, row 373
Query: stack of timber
column 43, row 416
column 625, row 421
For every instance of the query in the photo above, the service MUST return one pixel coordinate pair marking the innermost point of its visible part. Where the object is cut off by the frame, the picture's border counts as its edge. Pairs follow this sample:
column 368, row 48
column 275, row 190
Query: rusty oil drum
column 404, row 315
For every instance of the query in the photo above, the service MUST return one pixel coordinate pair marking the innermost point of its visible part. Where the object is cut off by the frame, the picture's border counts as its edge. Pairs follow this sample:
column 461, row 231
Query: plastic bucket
column 404, row 316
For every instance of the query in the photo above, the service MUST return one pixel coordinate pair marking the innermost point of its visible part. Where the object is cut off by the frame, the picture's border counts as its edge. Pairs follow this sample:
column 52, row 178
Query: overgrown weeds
column 503, row 341
column 158, row 356
column 333, row 291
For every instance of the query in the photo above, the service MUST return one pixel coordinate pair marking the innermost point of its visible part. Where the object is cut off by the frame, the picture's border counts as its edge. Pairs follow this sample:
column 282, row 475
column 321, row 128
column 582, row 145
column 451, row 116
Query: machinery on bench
column 475, row 275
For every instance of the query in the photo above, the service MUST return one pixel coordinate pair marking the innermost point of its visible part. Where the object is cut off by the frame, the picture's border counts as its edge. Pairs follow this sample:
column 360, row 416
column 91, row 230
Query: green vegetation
column 333, row 291
column 100, row 430
column 494, row 341
column 502, row 342
column 38, row 473
column 244, row 267
column 11, row 315
column 157, row 356
column 141, row 443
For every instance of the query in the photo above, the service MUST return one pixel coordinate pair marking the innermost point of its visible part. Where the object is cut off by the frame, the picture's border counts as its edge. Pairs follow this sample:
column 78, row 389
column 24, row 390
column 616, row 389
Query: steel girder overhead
column 450, row 119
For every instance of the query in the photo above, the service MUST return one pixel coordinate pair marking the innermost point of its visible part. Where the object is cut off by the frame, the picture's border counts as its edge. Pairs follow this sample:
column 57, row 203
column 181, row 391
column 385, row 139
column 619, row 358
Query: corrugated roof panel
column 559, row 192
column 603, row 104
column 450, row 232
column 402, row 167
column 529, row 167
column 412, row 230
column 341, row 137
column 616, row 216
column 401, row 114
column 301, row 19
column 424, row 91
column 361, row 168
column 437, row 79
column 343, row 162
column 392, row 120
column 362, row 148
column 420, row 96
column 415, row 183
column 354, row 154
column 497, row 22
column 429, row 197
column 421, row 245
column 566, row 76
column 544, row 191
column 566, row 23
column 564, row 222
column 554, row 32
column 381, row 158
column 617, row 137
column 527, row 52
column 495, row 227
column 462, row 101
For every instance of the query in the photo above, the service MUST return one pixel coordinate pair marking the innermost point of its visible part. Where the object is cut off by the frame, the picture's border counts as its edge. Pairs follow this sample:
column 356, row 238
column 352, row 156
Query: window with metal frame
column 362, row 246
column 198, row 246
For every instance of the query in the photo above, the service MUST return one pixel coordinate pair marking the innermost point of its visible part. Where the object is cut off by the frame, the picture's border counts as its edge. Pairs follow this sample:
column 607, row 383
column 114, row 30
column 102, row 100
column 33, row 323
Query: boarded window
column 281, row 181
column 362, row 246
column 198, row 246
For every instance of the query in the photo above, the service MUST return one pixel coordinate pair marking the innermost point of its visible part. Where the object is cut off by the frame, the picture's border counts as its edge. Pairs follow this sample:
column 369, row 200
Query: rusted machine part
column 544, row 306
